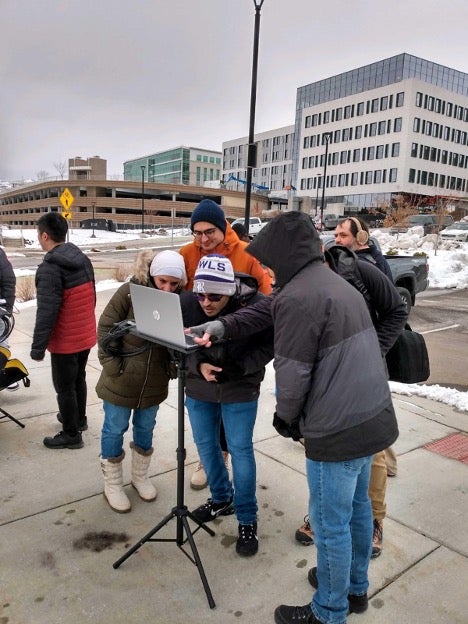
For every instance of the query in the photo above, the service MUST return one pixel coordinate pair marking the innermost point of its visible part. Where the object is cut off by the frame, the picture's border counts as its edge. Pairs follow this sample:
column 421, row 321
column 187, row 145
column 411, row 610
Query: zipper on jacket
column 143, row 385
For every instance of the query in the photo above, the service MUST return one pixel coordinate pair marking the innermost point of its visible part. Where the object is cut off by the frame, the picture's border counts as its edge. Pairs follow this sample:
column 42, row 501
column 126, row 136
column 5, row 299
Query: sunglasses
column 213, row 298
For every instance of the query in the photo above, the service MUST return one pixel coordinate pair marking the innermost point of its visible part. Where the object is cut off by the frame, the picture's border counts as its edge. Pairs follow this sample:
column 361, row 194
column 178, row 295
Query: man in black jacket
column 343, row 411
column 223, row 385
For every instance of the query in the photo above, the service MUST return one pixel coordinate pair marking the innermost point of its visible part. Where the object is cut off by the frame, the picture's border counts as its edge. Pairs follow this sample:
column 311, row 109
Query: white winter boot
column 113, row 484
column 140, row 463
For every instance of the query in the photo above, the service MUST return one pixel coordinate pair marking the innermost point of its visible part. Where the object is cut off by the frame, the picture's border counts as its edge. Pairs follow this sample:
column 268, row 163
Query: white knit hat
column 170, row 263
column 214, row 275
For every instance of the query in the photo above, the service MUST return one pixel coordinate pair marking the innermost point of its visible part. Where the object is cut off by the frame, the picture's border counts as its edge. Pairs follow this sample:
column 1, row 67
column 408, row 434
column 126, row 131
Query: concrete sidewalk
column 59, row 539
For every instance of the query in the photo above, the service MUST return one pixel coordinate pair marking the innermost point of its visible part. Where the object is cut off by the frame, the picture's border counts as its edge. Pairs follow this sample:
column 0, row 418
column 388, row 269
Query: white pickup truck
column 255, row 224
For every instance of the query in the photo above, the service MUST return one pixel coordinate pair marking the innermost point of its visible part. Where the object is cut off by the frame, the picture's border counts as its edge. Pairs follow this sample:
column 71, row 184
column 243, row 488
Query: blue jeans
column 116, row 423
column 341, row 517
column 239, row 421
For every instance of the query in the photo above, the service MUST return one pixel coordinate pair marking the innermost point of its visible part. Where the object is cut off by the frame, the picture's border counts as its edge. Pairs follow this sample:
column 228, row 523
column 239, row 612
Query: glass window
column 338, row 114
column 369, row 177
column 373, row 129
column 337, row 136
column 358, row 132
column 307, row 125
column 377, row 176
column 384, row 103
column 392, row 177
column 380, row 151
column 326, row 117
column 346, row 134
column 414, row 150
column 356, row 155
column 375, row 105
column 349, row 111
column 354, row 178
column 382, row 126
column 397, row 124
column 399, row 100
column 419, row 97
column 360, row 109
column 395, row 149
column 306, row 142
column 371, row 153
column 412, row 175
column 449, row 109
column 332, row 180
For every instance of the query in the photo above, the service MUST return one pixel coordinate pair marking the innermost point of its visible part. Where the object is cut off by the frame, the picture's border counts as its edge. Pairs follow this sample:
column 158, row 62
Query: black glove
column 286, row 430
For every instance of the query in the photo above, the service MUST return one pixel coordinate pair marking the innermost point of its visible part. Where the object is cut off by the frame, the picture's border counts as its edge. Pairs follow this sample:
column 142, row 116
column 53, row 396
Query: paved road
column 442, row 317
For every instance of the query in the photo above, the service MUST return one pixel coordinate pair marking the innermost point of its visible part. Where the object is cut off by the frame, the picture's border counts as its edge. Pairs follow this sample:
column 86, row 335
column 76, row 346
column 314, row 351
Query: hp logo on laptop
column 156, row 315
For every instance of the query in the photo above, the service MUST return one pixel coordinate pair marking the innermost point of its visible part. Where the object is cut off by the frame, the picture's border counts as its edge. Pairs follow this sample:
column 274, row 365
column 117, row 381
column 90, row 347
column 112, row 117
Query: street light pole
column 142, row 199
column 327, row 137
column 251, row 148
column 93, row 235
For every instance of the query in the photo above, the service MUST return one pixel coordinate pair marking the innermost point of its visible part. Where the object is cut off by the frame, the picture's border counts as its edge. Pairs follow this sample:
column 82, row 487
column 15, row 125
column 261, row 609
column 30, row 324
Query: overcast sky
column 122, row 79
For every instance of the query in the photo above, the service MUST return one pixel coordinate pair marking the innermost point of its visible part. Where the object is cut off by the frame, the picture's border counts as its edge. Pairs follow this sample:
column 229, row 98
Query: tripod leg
column 7, row 415
column 144, row 539
column 198, row 562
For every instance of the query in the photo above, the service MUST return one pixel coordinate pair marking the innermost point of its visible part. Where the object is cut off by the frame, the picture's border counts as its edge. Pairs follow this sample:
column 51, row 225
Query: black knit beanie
column 209, row 211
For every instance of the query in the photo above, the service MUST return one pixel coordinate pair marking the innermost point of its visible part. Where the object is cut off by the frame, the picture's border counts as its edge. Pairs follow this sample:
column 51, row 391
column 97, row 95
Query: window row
column 435, row 154
column 375, row 105
column 429, row 178
column 388, row 150
column 439, row 131
column 377, row 176
column 211, row 159
column 377, row 128
column 437, row 105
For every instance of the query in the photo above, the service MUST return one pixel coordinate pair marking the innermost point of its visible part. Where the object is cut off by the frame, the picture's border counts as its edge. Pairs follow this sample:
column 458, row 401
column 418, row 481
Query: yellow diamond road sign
column 66, row 199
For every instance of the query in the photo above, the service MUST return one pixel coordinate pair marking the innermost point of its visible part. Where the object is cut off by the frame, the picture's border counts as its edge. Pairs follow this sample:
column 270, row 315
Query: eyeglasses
column 207, row 233
column 213, row 298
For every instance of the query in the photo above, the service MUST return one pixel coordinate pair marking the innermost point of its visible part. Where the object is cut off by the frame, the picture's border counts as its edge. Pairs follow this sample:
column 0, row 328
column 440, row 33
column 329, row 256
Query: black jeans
column 69, row 379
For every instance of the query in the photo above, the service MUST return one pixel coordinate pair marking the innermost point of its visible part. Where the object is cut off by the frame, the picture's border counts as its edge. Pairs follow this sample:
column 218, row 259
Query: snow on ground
column 448, row 268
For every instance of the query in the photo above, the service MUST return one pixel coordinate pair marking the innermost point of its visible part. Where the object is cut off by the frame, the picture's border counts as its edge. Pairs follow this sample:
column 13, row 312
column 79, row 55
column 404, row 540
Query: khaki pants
column 391, row 461
column 378, row 486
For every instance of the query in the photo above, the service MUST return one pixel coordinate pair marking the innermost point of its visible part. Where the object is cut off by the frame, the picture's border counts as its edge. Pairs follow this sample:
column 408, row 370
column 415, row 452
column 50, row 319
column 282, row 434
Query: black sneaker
column 82, row 427
column 357, row 604
column 247, row 542
column 295, row 615
column 62, row 441
column 210, row 510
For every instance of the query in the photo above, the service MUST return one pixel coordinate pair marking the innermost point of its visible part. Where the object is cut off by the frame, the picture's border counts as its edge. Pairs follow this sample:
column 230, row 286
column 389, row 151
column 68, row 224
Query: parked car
column 430, row 222
column 458, row 231
column 255, row 224
column 330, row 221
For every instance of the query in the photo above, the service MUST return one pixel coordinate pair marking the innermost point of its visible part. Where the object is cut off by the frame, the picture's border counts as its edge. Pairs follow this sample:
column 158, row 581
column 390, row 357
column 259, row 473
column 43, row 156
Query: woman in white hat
column 134, row 379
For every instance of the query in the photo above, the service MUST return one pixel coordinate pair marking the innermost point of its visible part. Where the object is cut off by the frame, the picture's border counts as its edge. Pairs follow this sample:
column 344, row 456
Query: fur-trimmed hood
column 141, row 268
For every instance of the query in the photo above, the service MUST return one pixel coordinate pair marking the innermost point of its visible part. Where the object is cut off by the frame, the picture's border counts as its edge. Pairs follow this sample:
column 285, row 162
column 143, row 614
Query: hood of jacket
column 286, row 245
column 141, row 268
column 342, row 261
column 66, row 255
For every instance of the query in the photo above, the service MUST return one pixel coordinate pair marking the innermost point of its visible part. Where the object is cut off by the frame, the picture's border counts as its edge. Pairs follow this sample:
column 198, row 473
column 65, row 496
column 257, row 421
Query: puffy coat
column 140, row 380
column 66, row 299
column 330, row 375
column 243, row 361
column 7, row 281
column 232, row 248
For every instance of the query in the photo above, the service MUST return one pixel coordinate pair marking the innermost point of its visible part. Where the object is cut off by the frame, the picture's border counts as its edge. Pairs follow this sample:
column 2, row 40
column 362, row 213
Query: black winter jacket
column 243, row 361
column 330, row 374
column 7, row 282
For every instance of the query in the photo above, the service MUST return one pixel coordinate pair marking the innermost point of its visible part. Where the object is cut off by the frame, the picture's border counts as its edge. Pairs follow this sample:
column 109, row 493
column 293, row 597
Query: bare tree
column 42, row 175
column 61, row 167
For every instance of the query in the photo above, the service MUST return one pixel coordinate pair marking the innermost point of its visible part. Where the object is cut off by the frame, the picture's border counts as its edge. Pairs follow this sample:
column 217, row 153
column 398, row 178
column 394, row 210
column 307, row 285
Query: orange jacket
column 232, row 248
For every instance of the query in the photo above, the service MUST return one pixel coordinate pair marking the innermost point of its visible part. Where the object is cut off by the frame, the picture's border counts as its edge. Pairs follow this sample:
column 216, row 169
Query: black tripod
column 180, row 511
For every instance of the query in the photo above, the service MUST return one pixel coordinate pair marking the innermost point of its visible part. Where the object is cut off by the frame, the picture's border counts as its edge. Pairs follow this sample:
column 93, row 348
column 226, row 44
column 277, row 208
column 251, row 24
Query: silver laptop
column 158, row 317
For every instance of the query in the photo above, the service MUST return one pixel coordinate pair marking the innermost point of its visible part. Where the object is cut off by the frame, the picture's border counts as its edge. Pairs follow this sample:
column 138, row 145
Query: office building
column 395, row 127
column 273, row 168
column 180, row 165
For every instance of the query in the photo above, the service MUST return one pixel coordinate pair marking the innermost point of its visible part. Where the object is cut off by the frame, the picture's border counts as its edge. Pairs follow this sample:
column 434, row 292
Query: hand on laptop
column 207, row 333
